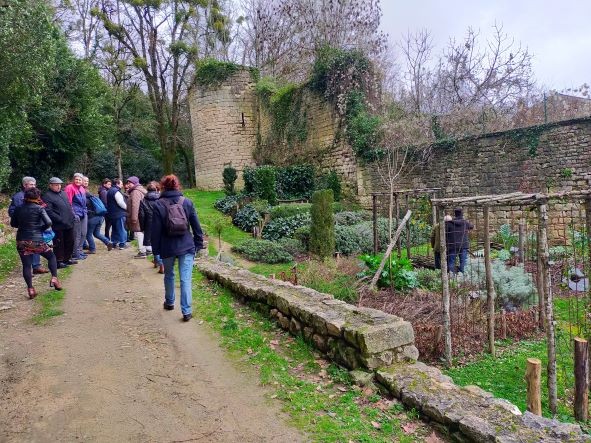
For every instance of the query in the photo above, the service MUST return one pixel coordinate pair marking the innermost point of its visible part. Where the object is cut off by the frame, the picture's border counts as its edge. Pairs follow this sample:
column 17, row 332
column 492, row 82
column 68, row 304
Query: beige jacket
column 136, row 195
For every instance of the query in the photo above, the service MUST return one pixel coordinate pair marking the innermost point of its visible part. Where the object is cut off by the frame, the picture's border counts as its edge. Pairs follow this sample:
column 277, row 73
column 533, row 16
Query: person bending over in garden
column 436, row 241
column 60, row 212
column 116, row 211
column 17, row 200
column 176, row 235
column 32, row 222
column 457, row 240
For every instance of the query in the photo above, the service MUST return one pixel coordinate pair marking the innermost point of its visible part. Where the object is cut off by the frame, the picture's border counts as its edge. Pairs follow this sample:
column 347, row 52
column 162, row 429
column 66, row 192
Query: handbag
column 48, row 235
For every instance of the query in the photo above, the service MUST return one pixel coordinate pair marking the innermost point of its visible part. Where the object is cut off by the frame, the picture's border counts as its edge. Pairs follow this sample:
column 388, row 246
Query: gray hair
column 29, row 180
column 78, row 175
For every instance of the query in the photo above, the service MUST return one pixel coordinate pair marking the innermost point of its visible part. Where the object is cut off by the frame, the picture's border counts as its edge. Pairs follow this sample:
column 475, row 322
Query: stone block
column 378, row 338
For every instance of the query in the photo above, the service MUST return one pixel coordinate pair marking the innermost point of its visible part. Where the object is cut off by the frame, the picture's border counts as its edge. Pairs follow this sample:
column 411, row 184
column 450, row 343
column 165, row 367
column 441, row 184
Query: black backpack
column 177, row 223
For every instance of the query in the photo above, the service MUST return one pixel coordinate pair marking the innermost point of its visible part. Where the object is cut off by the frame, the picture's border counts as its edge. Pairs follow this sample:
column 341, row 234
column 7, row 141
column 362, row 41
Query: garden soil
column 117, row 367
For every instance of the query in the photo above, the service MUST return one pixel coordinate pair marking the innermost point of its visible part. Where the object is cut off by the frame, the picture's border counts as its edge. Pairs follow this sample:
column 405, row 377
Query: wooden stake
column 581, row 405
column 503, row 324
column 397, row 204
column 407, row 231
column 376, row 277
column 540, row 282
column 446, row 318
column 550, row 333
column 533, row 373
column 490, row 285
column 375, row 224
column 521, row 252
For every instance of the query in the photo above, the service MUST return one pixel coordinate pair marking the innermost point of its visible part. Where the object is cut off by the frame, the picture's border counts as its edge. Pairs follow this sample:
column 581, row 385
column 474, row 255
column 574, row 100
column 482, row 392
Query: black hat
column 458, row 212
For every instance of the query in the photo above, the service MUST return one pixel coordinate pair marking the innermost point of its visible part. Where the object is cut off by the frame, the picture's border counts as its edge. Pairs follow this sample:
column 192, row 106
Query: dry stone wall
column 384, row 344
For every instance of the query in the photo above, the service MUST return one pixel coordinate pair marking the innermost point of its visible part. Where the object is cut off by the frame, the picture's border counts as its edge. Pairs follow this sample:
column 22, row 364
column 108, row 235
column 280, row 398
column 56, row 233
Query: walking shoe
column 32, row 293
column 109, row 246
column 40, row 270
column 187, row 317
column 80, row 257
column 140, row 255
column 161, row 269
column 71, row 262
column 168, row 307
column 91, row 252
column 123, row 246
column 62, row 265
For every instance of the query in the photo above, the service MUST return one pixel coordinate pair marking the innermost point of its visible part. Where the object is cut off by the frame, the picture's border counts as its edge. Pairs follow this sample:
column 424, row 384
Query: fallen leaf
column 376, row 425
column 432, row 438
column 342, row 388
column 249, row 351
column 410, row 427
column 274, row 342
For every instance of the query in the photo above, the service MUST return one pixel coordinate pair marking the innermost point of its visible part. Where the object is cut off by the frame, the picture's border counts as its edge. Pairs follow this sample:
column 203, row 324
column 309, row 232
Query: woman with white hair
column 77, row 198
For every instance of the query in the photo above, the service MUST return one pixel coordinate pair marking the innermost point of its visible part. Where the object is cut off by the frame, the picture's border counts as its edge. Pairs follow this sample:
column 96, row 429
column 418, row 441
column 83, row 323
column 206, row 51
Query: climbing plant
column 211, row 72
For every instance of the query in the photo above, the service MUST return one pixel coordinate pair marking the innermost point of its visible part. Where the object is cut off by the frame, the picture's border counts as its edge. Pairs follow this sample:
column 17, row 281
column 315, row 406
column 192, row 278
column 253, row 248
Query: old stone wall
column 224, row 128
column 384, row 344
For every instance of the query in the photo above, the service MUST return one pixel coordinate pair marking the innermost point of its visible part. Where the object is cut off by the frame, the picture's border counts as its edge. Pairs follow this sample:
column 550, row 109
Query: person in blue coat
column 181, row 244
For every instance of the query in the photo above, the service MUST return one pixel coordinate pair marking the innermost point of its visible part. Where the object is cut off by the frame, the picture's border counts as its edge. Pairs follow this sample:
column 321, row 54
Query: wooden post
column 407, row 231
column 588, row 225
column 490, row 285
column 540, row 281
column 547, row 283
column 446, row 318
column 503, row 324
column 521, row 252
column 533, row 373
column 581, row 379
column 375, row 224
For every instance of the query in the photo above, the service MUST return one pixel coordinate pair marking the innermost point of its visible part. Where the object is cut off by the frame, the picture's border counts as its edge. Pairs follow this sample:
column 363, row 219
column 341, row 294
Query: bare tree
column 416, row 49
column 81, row 27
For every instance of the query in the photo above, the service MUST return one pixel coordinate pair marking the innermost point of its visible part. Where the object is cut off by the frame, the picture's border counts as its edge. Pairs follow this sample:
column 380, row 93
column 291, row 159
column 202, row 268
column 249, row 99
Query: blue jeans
column 158, row 260
column 36, row 261
column 451, row 260
column 94, row 230
column 118, row 233
column 186, row 271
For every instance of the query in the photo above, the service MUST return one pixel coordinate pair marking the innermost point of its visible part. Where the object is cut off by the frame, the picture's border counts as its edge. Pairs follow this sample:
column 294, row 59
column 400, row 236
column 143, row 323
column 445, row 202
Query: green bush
column 266, row 179
column 363, row 130
column 285, row 227
column 322, row 236
column 303, row 235
column 289, row 210
column 353, row 240
column 229, row 175
column 429, row 279
column 397, row 274
column 263, row 251
column 332, row 181
column 348, row 218
column 295, row 182
column 226, row 204
column 292, row 245
column 211, row 72
column 247, row 218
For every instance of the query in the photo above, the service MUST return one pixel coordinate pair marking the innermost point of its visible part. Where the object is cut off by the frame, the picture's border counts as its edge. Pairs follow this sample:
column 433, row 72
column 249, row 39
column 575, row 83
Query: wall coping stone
column 468, row 412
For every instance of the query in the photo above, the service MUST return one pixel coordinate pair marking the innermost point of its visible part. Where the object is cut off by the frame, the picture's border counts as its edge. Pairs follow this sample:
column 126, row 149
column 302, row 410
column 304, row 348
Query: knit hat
column 134, row 180
column 55, row 181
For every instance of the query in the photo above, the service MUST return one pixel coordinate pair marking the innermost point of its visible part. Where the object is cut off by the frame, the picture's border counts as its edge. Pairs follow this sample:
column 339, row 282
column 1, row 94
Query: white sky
column 557, row 33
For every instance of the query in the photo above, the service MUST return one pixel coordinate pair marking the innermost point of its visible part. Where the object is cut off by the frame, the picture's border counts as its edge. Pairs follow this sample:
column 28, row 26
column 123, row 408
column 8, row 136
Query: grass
column 203, row 201
column 50, row 301
column 8, row 259
column 504, row 375
column 317, row 396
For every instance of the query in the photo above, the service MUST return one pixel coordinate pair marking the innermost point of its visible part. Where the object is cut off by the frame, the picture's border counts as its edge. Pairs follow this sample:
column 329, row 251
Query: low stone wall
column 354, row 337
column 371, row 339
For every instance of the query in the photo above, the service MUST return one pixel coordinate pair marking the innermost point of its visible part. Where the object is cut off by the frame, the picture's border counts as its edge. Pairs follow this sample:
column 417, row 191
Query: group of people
column 61, row 225
column 457, row 241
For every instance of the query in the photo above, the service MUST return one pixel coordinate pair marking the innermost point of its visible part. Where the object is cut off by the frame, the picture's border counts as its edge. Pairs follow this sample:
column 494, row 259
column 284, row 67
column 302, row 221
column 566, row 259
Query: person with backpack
column 146, row 214
column 116, row 211
column 96, row 215
column 176, row 235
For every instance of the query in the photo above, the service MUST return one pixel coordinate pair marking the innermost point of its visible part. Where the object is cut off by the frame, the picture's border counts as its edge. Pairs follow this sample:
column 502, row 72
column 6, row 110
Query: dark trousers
column 107, row 228
column 27, row 261
column 63, row 244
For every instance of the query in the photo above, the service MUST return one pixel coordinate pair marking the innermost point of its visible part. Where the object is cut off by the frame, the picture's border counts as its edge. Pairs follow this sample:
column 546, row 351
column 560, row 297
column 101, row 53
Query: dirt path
column 117, row 367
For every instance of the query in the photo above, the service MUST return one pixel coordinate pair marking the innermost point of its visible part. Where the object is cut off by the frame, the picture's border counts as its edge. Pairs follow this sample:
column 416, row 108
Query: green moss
column 211, row 72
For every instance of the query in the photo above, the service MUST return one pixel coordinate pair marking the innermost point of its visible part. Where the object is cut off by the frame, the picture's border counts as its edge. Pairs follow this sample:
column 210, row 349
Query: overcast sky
column 557, row 33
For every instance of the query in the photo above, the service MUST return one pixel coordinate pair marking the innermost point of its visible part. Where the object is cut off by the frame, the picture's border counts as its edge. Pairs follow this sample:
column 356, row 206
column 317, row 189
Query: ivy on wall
column 211, row 72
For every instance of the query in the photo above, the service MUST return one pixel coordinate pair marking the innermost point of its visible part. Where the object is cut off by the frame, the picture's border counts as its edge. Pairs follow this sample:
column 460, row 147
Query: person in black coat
column 32, row 221
column 146, row 214
column 60, row 212
column 457, row 237
column 179, row 245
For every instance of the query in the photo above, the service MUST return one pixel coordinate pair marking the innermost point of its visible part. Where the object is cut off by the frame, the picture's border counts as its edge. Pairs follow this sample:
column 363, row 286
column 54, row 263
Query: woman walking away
column 176, row 234
column 146, row 213
column 32, row 221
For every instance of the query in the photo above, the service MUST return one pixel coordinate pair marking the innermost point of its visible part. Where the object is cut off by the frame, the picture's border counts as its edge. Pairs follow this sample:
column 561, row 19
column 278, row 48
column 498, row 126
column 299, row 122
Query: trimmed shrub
column 265, row 178
column 348, row 218
column 303, row 235
column 292, row 245
column 226, row 204
column 289, row 210
column 356, row 239
column 284, row 227
column 229, row 175
column 263, row 251
column 322, row 236
column 331, row 180
column 295, row 182
column 247, row 218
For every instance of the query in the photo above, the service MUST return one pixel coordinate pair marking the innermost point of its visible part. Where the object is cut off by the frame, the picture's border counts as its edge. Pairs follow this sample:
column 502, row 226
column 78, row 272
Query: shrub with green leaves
column 429, row 279
column 303, row 235
column 226, row 204
column 289, row 210
column 398, row 273
column 265, row 178
column 356, row 239
column 331, row 180
column 513, row 285
column 285, row 227
column 247, row 218
column 295, row 182
column 263, row 251
column 322, row 232
column 348, row 218
column 292, row 245
column 229, row 176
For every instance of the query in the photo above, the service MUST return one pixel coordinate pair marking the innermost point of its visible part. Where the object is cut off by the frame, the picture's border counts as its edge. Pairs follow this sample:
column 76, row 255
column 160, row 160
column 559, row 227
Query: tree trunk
column 490, row 285
column 447, row 352
column 581, row 379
